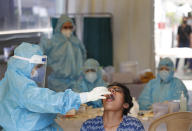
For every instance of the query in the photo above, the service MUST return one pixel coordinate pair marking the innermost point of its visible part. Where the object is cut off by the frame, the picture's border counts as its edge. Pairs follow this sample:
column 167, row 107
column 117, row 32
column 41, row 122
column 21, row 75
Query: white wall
column 132, row 28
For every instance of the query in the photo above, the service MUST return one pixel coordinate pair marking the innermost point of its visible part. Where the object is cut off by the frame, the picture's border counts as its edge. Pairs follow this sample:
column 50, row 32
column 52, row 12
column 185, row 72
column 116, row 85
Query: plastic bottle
column 183, row 102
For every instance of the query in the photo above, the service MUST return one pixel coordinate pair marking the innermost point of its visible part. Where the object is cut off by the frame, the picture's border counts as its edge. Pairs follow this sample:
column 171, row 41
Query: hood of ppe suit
column 168, row 63
column 91, row 64
column 63, row 19
column 21, row 66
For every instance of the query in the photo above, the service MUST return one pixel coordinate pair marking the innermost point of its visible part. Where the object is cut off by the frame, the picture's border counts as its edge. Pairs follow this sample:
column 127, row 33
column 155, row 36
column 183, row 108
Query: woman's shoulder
column 176, row 79
column 129, row 121
column 178, row 83
column 129, row 118
column 154, row 80
column 94, row 121
column 93, row 124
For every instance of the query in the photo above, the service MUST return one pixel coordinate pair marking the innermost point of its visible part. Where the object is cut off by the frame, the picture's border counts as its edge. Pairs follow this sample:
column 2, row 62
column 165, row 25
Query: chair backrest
column 178, row 121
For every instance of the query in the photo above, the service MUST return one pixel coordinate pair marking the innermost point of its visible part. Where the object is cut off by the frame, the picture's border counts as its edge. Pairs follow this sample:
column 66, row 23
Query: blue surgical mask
column 164, row 74
column 91, row 76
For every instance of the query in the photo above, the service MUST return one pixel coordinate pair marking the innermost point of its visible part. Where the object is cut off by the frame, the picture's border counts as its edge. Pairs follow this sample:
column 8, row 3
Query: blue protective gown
column 83, row 85
column 23, row 105
column 65, row 56
column 158, row 90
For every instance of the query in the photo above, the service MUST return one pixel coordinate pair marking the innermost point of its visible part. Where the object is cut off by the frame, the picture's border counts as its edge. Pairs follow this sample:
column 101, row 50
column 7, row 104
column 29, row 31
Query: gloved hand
column 96, row 94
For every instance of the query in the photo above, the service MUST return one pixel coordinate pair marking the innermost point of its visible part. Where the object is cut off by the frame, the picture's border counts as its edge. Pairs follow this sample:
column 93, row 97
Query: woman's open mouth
column 110, row 98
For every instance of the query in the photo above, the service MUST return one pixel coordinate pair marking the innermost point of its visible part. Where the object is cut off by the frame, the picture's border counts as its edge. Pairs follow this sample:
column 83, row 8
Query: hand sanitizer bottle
column 183, row 102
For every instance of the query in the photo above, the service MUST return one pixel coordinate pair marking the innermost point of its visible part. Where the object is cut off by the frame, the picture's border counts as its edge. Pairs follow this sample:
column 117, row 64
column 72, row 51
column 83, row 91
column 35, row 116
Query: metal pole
column 19, row 13
column 66, row 6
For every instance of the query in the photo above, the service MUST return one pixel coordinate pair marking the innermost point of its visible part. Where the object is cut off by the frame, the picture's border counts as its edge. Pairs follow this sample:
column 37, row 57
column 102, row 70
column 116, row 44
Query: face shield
column 38, row 73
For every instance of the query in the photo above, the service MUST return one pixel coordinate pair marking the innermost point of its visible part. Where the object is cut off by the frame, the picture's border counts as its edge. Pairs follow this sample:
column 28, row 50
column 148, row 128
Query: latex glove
column 96, row 94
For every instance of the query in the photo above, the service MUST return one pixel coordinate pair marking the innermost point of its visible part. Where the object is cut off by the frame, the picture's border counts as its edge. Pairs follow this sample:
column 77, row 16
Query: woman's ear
column 125, row 105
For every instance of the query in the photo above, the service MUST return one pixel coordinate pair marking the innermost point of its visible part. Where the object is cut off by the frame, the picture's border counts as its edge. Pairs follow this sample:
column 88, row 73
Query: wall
column 132, row 28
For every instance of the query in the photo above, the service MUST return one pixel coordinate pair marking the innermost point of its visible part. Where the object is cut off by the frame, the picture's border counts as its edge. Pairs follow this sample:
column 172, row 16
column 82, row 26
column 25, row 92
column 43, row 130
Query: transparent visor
column 38, row 74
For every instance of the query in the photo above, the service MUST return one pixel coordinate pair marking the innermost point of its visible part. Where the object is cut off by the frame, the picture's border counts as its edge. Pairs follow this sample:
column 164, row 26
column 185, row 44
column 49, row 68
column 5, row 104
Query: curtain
column 54, row 23
column 97, row 37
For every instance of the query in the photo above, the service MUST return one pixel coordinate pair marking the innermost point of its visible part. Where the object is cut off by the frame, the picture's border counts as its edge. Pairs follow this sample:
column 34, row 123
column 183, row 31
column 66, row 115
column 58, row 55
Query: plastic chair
column 178, row 121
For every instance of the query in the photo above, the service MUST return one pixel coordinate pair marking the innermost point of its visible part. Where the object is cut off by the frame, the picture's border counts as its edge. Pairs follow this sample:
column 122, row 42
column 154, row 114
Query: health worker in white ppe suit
column 24, row 104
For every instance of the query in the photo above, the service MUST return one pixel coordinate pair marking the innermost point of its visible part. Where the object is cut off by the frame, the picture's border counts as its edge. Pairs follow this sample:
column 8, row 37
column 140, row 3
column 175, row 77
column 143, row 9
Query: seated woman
column 91, row 77
column 165, row 87
column 115, row 118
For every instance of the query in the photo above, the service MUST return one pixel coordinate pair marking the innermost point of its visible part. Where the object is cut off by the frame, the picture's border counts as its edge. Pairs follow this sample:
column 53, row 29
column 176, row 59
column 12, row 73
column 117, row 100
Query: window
column 26, row 14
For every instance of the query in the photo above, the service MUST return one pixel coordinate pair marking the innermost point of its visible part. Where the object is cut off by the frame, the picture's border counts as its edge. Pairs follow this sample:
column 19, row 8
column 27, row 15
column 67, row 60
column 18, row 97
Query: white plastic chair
column 178, row 121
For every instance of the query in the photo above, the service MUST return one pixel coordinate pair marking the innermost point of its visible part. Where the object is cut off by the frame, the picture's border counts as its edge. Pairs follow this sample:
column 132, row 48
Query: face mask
column 164, row 74
column 66, row 33
column 91, row 76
